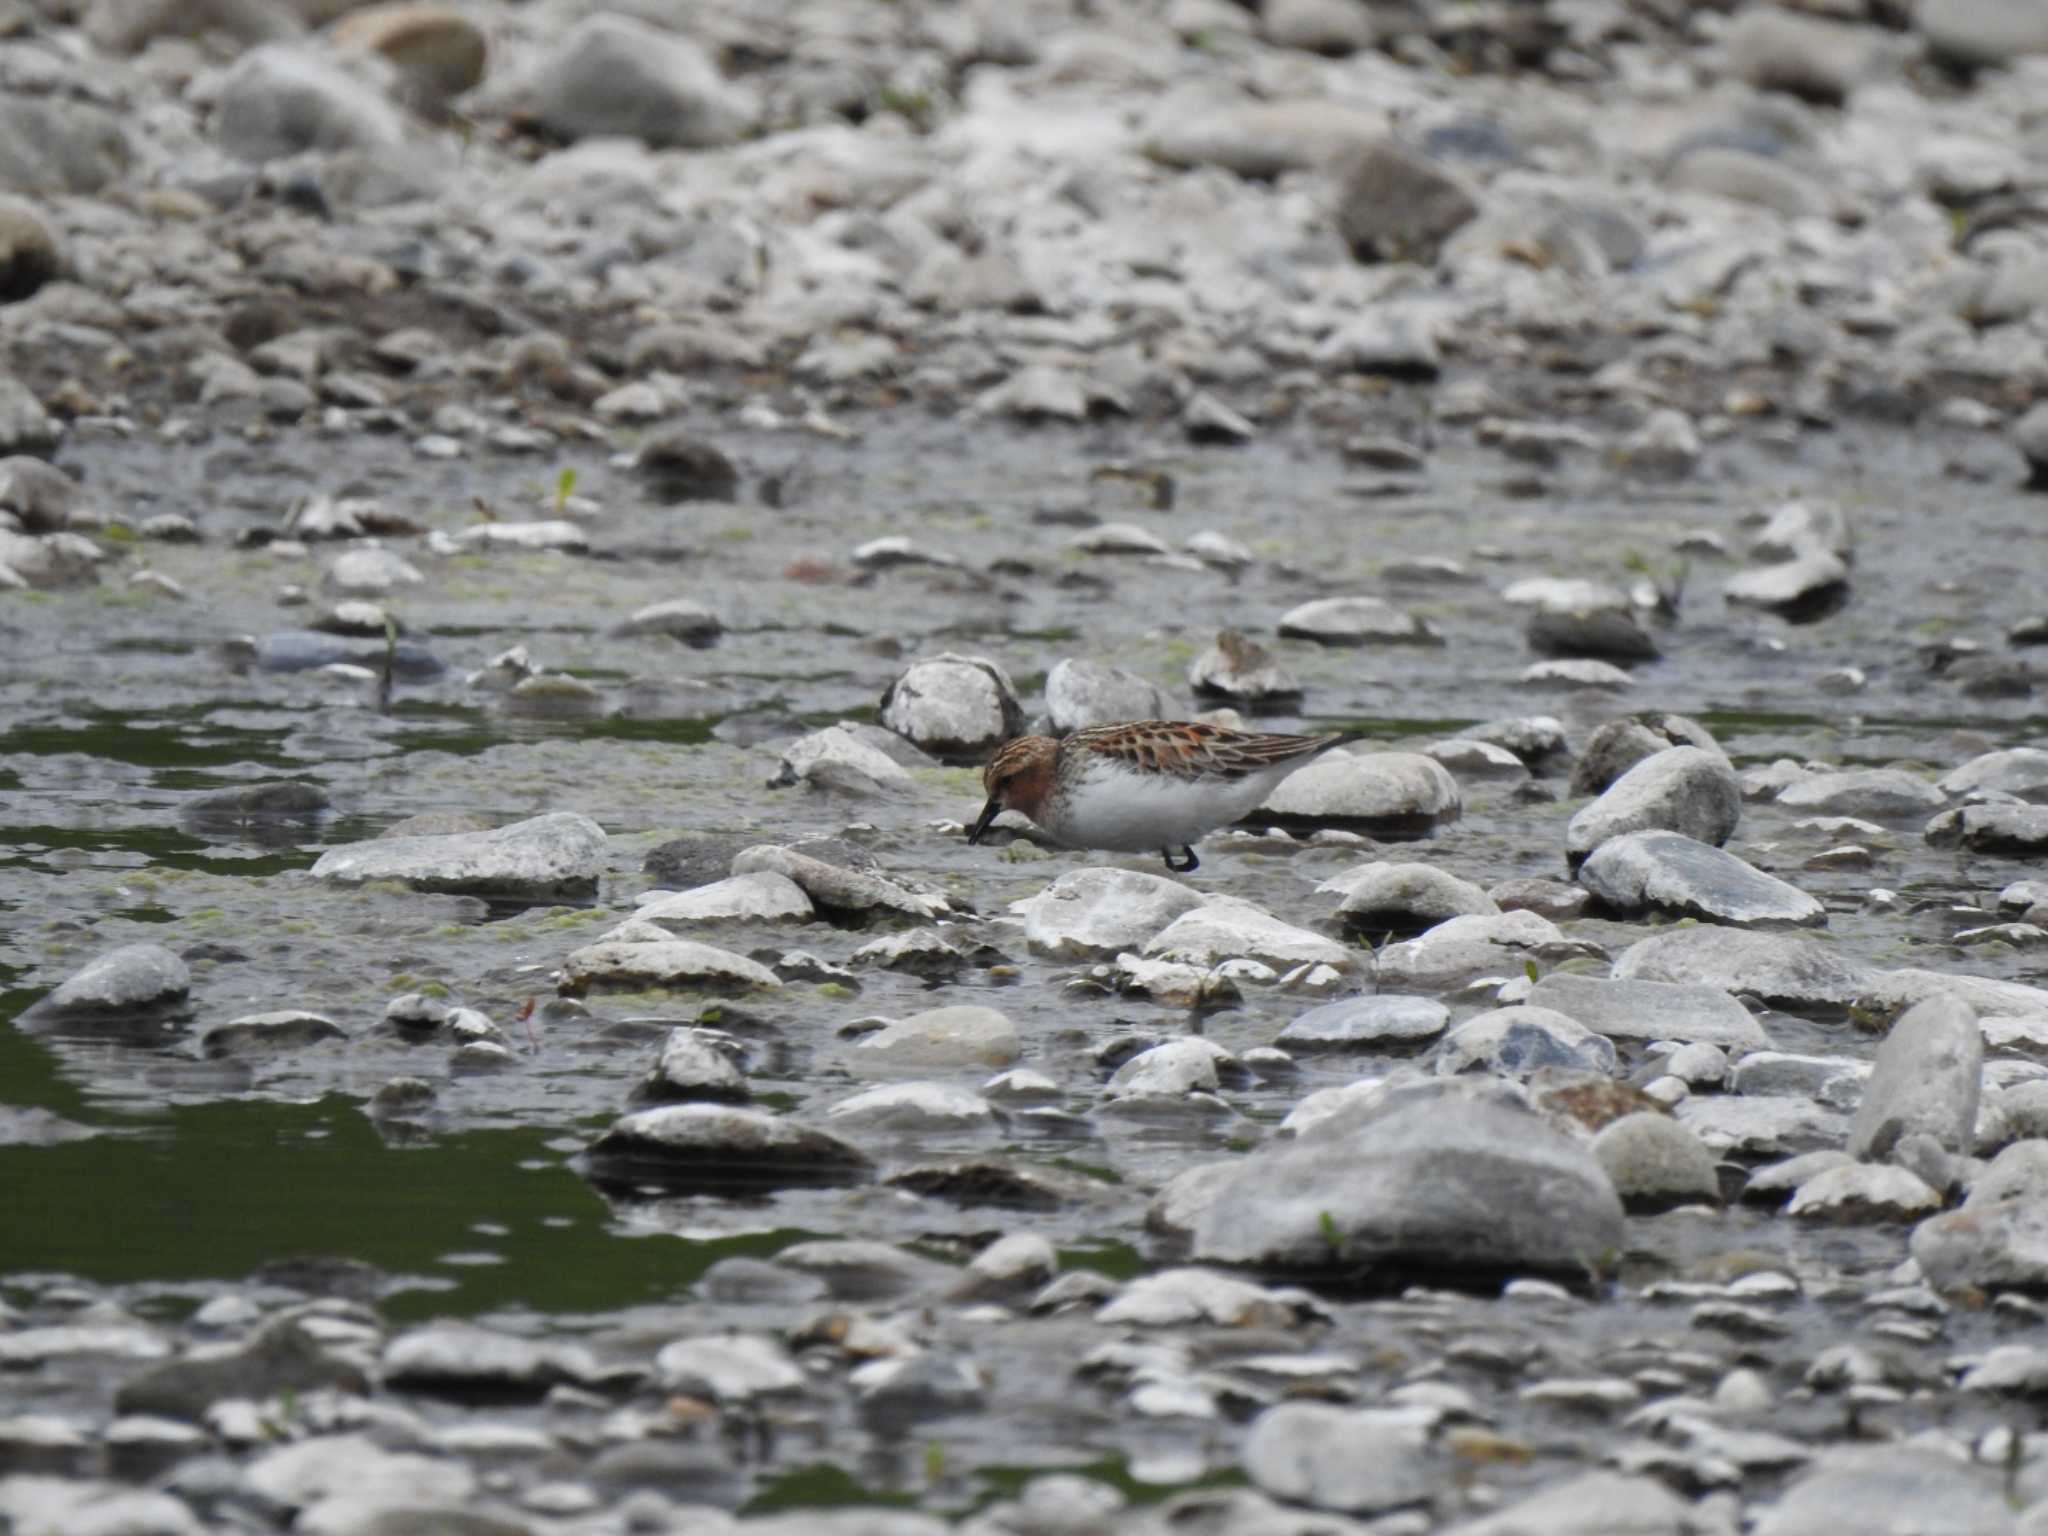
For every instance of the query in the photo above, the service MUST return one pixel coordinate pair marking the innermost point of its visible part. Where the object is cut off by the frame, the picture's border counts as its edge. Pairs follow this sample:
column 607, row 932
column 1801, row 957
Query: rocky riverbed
column 518, row 524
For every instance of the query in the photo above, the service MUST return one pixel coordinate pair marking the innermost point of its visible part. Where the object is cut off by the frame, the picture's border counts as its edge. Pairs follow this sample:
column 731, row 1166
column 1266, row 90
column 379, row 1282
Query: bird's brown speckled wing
column 1187, row 749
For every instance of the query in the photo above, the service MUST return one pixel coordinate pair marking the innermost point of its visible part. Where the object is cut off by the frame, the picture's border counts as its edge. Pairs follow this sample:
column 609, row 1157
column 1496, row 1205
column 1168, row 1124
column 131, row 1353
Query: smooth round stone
column 953, row 706
column 1385, row 1022
column 1081, row 693
column 680, row 618
column 2017, row 830
column 1652, row 1010
column 729, row 1368
column 693, row 1067
column 1680, row 789
column 1926, row 1080
column 962, row 1035
column 760, row 897
column 2018, row 771
column 1377, row 792
column 1796, row 974
column 561, row 853
column 1657, row 1163
column 1356, row 1460
column 914, row 1108
column 1880, row 793
column 1403, row 897
column 135, row 977
column 1229, row 928
column 1234, row 667
column 637, row 963
column 263, row 1034
column 1098, row 913
column 713, row 1146
column 614, row 77
column 1857, row 1194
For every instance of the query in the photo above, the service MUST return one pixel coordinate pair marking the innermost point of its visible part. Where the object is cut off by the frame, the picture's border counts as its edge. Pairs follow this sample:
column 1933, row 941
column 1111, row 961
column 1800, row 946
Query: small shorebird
column 1161, row 784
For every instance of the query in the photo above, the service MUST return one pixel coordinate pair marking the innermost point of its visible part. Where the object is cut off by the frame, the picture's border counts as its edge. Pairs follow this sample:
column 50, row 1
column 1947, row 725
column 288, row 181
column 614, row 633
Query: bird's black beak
column 989, row 813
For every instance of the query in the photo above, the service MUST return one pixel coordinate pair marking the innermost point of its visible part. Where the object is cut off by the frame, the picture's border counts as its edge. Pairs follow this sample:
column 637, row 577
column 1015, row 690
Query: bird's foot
column 1188, row 854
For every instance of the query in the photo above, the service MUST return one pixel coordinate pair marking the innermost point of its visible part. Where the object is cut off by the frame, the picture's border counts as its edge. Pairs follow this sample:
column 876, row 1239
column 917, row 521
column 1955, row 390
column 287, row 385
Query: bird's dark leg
column 1188, row 854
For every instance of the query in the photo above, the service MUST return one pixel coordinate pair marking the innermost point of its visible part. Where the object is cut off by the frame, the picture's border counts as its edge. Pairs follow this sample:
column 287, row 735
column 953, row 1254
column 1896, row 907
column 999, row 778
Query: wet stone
column 135, row 980
column 554, row 855
column 615, row 76
column 730, row 1368
column 678, row 964
column 1403, row 898
column 695, row 1066
column 1687, row 790
column 1081, row 693
column 760, row 897
column 285, row 1356
column 1453, row 1180
column 471, row 1364
column 2018, row 771
column 1385, row 1022
column 1234, row 667
column 680, row 618
column 1463, row 949
column 1357, row 1460
column 716, row 1146
column 1227, row 928
column 841, row 758
column 1879, row 793
column 263, row 1034
column 1655, row 1163
column 953, row 706
column 2018, row 830
column 1925, row 1080
column 1669, row 872
column 962, row 1035
column 1798, row 975
column 268, row 800
column 914, row 1109
column 1863, row 1193
column 838, row 888
column 1379, row 793
column 1515, row 1042
column 1651, row 1010
column 1097, row 913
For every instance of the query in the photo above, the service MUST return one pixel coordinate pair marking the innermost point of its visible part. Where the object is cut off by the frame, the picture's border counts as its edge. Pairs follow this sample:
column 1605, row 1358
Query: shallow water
column 119, row 705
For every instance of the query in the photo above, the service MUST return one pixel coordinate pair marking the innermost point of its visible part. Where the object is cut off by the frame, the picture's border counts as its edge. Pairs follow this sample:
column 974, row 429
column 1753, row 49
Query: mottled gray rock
column 1889, row 1488
column 612, row 76
column 285, row 1356
column 1799, row 975
column 1859, row 1194
column 680, row 618
column 1355, row 621
column 1836, row 1081
column 1393, row 204
column 1879, row 793
column 683, row 964
column 1655, row 1163
column 712, row 1146
column 1236, row 668
column 136, row 979
column 1598, row 630
column 1456, row 1177
column 835, row 888
column 1514, row 1042
column 2019, row 1172
column 465, row 1362
column 1463, row 949
column 1080, row 693
column 283, row 99
column 914, row 1109
column 2018, row 830
column 267, row 800
column 1926, row 1079
column 1358, row 1460
column 1754, row 1128
column 1386, row 792
column 1402, row 898
column 1100, row 912
column 694, row 1067
column 559, row 854
column 1230, row 928
column 1774, row 1183
column 1688, row 790
column 953, row 706
column 2000, row 1245
column 1176, row 1068
column 1383, row 1022
column 1808, row 586
column 1668, row 872
column 963, row 1035
column 762, row 896
column 2018, row 771
column 1652, row 1010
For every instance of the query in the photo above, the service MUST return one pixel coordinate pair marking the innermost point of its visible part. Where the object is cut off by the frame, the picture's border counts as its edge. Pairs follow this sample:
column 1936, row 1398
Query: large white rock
column 1099, row 912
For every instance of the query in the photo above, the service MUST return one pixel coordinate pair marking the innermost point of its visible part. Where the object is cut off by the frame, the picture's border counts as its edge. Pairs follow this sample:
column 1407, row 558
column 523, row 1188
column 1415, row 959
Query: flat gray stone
column 1652, row 1010
column 1355, row 621
column 682, row 964
column 717, row 1146
column 1881, row 794
column 1669, row 872
column 2018, row 771
column 1799, row 975
column 2018, row 830
column 613, row 76
column 559, row 854
column 1099, row 912
column 1456, row 1178
column 761, row 896
column 1383, row 1022
column 1687, row 790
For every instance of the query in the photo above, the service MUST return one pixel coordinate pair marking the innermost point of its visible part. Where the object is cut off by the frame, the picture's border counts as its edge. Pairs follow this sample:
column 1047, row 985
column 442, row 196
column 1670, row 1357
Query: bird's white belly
column 1126, row 812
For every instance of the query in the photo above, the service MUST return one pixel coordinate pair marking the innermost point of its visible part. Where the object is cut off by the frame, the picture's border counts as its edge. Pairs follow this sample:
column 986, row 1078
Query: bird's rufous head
column 1017, row 778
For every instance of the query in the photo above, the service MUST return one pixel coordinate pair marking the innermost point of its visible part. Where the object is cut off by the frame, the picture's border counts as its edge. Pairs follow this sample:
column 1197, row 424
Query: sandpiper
column 1162, row 784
